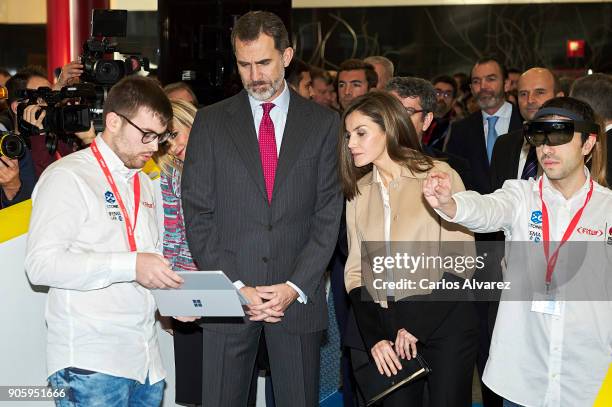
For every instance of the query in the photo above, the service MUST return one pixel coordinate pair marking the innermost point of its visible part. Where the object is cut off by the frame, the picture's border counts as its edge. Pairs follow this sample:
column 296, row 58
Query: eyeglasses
column 150, row 136
column 412, row 111
column 445, row 94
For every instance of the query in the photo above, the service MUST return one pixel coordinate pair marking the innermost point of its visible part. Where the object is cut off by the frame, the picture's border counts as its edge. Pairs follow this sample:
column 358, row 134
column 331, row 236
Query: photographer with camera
column 17, row 175
column 28, row 92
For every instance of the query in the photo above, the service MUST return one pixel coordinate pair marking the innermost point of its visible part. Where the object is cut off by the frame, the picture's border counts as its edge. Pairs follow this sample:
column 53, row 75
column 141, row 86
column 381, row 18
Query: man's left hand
column 278, row 298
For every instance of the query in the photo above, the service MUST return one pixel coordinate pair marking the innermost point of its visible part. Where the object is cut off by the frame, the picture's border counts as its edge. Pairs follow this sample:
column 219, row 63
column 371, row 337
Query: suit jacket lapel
column 516, row 121
column 295, row 137
column 243, row 134
column 481, row 140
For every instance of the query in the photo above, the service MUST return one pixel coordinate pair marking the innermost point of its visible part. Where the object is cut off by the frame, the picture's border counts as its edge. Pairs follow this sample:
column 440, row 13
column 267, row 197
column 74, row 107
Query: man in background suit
column 262, row 203
column 513, row 157
column 418, row 97
column 473, row 139
column 596, row 90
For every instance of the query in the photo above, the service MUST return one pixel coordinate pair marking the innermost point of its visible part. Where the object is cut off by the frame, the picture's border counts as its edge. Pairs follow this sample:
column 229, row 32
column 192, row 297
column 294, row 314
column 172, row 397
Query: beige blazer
column 412, row 220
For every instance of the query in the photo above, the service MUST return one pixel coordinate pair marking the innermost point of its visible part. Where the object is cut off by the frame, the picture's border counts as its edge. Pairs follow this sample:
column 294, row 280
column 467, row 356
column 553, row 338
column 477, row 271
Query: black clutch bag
column 374, row 386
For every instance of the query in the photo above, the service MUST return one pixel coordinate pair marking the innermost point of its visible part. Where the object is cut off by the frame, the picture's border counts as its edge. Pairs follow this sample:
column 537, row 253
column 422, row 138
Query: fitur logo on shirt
column 535, row 226
column 112, row 209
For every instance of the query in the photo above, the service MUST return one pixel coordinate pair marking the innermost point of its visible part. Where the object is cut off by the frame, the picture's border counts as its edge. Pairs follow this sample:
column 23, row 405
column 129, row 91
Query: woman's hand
column 385, row 358
column 405, row 344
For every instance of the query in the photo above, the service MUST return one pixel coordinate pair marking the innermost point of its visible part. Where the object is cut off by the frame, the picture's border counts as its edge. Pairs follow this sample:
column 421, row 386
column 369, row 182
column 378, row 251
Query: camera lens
column 12, row 146
column 109, row 72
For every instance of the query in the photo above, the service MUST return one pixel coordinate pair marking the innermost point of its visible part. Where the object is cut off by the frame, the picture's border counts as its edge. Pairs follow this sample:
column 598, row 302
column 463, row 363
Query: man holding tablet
column 94, row 241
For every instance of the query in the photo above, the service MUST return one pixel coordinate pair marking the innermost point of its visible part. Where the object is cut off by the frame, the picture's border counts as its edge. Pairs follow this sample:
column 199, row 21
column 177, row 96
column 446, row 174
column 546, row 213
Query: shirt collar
column 608, row 128
column 504, row 111
column 113, row 162
column 281, row 101
column 549, row 189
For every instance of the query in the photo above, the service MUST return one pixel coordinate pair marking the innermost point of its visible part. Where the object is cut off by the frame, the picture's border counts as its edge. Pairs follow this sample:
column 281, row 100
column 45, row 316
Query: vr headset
column 555, row 132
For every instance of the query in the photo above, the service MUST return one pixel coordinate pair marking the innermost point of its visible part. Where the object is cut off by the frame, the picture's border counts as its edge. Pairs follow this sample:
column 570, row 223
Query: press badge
column 546, row 305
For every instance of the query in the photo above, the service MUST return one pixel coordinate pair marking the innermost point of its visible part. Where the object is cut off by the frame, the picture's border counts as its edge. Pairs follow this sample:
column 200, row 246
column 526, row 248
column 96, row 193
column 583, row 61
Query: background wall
column 426, row 41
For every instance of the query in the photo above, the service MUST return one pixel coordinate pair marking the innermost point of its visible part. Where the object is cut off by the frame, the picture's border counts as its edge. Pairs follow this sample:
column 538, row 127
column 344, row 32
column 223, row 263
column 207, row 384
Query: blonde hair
column 183, row 114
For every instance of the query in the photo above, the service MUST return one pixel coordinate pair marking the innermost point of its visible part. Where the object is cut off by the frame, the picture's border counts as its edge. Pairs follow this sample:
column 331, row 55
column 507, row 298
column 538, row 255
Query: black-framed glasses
column 412, row 111
column 150, row 136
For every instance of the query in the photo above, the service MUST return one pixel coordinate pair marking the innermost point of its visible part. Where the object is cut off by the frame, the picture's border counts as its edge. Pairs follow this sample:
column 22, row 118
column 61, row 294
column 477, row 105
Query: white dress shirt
column 504, row 113
column 279, row 118
column 384, row 193
column 98, row 317
column 540, row 359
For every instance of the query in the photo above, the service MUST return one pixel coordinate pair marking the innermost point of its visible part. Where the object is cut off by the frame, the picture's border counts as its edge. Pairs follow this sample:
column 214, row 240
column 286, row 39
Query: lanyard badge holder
column 129, row 226
column 550, row 305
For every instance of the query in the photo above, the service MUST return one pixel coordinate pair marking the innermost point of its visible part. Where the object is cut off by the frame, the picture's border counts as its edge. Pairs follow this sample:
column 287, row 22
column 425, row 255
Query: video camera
column 73, row 108
column 99, row 66
column 68, row 111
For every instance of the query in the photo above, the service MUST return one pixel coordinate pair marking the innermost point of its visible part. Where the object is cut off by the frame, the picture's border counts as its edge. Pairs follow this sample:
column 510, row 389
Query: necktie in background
column 267, row 148
column 530, row 170
column 491, row 135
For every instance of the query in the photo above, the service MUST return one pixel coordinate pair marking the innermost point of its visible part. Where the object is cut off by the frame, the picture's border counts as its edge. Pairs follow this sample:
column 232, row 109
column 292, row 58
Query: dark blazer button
column 269, row 227
column 264, row 259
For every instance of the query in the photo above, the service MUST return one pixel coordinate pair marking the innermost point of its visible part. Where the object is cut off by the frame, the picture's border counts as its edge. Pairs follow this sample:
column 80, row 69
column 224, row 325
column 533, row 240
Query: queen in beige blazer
column 383, row 168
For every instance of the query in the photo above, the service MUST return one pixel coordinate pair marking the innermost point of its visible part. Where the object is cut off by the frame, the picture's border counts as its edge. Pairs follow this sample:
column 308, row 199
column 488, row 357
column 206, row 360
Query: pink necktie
column 267, row 148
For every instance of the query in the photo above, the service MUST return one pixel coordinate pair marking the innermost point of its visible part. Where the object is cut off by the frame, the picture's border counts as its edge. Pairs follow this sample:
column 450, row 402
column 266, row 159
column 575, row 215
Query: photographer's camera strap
column 129, row 226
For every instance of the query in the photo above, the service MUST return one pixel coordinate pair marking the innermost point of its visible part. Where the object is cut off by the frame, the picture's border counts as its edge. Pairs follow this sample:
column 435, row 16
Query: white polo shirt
column 98, row 317
column 540, row 359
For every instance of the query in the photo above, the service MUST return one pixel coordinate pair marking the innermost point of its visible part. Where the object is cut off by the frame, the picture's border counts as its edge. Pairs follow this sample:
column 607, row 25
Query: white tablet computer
column 204, row 294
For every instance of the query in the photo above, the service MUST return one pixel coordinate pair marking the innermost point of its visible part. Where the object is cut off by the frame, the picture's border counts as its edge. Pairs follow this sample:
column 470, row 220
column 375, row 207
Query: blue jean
column 92, row 389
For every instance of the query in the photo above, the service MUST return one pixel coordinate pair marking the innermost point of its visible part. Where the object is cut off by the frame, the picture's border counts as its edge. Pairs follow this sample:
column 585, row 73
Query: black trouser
column 451, row 354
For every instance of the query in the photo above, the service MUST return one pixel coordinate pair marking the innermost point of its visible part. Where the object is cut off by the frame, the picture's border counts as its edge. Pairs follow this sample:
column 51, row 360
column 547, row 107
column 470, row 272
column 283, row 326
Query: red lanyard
column 551, row 261
column 129, row 226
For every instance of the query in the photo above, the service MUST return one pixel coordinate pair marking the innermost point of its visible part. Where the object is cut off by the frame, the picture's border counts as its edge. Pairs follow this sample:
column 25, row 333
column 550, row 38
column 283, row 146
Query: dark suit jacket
column 505, row 158
column 230, row 225
column 467, row 140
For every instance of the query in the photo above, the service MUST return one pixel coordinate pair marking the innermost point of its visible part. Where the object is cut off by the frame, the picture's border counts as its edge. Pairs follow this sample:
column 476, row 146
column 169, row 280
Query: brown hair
column 598, row 154
column 402, row 142
column 133, row 92
column 252, row 24
column 359, row 65
column 171, row 87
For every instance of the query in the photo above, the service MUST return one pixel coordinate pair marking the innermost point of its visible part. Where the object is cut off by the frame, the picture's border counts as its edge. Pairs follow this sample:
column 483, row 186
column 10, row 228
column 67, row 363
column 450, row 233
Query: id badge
column 546, row 305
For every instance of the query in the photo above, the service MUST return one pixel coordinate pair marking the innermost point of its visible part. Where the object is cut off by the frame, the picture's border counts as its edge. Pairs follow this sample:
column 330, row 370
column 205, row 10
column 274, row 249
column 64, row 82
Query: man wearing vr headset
column 547, row 352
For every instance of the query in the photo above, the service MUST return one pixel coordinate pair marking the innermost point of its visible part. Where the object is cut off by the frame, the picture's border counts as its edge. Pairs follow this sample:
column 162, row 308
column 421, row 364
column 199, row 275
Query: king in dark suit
column 262, row 203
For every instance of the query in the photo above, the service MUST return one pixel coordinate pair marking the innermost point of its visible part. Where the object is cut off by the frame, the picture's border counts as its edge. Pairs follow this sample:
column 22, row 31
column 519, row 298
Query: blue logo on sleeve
column 197, row 303
column 109, row 197
column 536, row 217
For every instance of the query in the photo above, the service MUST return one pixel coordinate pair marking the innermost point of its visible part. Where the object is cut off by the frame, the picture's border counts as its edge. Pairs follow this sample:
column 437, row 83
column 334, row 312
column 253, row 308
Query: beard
column 488, row 99
column 441, row 109
column 264, row 90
